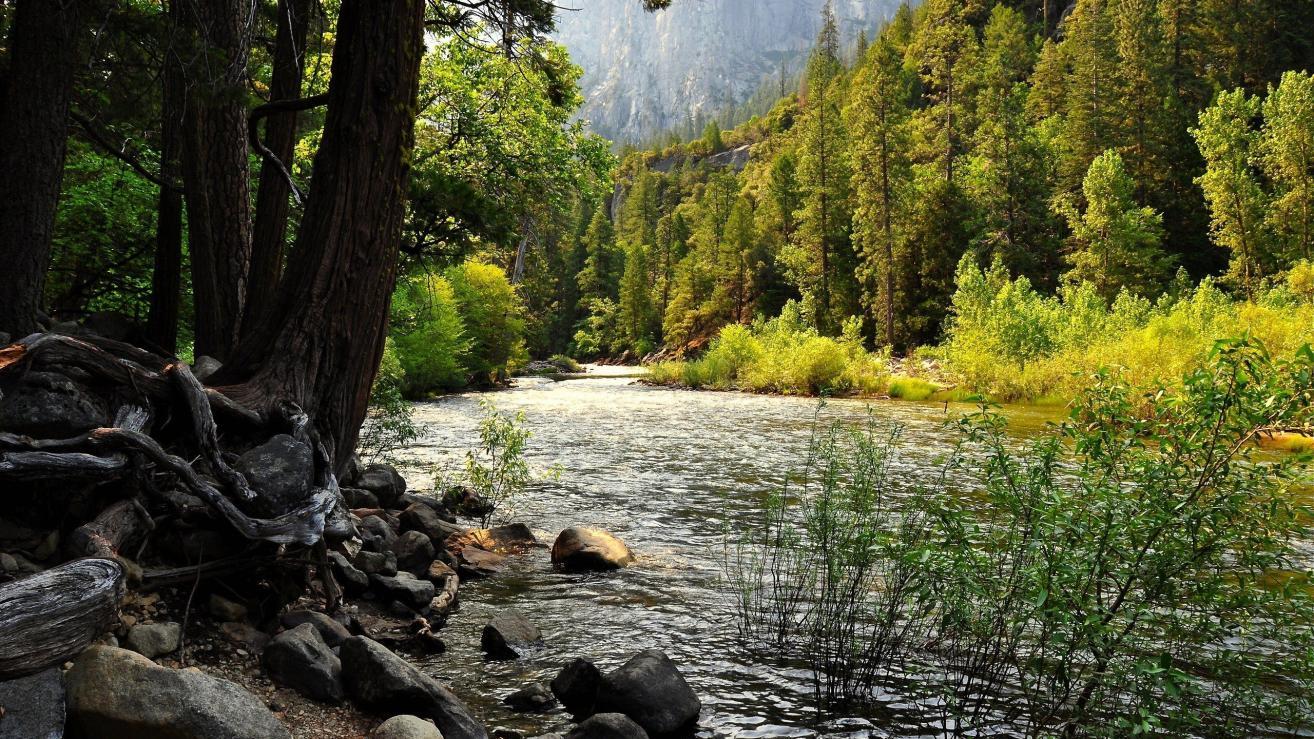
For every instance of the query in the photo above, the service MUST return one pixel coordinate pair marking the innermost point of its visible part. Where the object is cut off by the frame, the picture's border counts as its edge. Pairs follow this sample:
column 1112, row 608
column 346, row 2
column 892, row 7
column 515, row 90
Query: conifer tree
column 1287, row 148
column 941, row 49
column 600, row 276
column 636, row 300
column 1090, row 92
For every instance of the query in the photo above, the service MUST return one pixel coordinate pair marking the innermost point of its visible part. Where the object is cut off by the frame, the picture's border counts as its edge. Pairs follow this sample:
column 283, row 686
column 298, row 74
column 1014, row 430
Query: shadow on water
column 668, row 471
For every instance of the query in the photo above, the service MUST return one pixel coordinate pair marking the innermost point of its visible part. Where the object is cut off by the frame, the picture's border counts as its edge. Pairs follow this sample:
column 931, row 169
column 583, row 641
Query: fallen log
column 51, row 616
column 122, row 523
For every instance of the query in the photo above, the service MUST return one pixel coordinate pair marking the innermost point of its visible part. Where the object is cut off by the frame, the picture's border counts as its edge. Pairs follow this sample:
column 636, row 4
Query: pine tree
column 1287, row 148
column 878, row 118
column 941, row 49
column 1115, row 242
column 600, row 276
column 740, row 243
column 636, row 300
column 1091, row 103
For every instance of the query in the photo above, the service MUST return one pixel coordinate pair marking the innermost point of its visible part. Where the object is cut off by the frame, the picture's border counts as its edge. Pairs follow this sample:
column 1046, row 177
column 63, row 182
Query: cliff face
column 645, row 73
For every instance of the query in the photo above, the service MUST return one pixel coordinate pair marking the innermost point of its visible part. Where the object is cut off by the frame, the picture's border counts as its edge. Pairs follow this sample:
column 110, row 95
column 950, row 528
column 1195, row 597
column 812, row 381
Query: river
column 668, row 471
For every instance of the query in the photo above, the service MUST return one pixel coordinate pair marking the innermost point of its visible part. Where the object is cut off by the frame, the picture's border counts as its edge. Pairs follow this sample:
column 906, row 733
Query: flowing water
column 668, row 471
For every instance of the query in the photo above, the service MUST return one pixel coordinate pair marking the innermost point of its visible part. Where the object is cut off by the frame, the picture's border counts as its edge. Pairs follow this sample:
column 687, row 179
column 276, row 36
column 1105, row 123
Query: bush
column 429, row 336
column 389, row 425
column 494, row 323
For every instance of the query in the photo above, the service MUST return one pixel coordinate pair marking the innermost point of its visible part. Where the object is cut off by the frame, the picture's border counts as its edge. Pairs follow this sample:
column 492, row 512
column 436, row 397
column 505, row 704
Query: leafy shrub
column 493, row 315
column 496, row 471
column 429, row 336
column 389, row 425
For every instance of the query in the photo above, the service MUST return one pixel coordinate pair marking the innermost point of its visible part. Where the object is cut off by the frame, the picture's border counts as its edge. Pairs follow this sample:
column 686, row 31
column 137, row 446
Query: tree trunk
column 216, row 170
column 166, row 280
column 322, row 343
column 280, row 138
column 34, row 97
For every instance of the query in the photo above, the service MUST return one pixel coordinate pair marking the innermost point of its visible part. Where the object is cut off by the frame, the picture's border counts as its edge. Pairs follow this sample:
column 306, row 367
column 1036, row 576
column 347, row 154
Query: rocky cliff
column 645, row 73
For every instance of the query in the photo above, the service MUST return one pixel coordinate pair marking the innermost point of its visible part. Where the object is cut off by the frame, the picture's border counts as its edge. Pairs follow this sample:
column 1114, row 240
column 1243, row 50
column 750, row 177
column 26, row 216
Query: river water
column 668, row 471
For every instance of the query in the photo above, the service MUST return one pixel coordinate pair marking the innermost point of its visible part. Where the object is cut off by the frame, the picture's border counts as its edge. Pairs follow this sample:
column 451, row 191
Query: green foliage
column 492, row 313
column 390, row 425
column 429, row 336
column 1113, row 579
column 496, row 471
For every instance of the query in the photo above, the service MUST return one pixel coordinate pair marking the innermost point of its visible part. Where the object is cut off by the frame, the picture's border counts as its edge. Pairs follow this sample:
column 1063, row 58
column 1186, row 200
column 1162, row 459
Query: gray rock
column 379, row 680
column 414, row 552
column 33, row 706
column 650, row 689
column 357, row 498
column 608, row 726
column 244, row 634
column 224, row 609
column 299, row 659
column 579, row 549
column 534, row 699
column 576, row 686
column 352, row 580
column 406, row 727
column 280, row 470
column 379, row 535
column 510, row 636
column 153, row 640
column 423, row 518
column 329, row 630
column 117, row 694
column 376, row 563
column 384, row 482
column 477, row 563
column 404, row 588
column 49, row 405
column 205, row 366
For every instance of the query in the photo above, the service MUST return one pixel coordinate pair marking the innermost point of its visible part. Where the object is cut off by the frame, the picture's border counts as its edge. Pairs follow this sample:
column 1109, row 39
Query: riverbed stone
column 406, row 727
column 580, row 549
column 510, row 635
column 153, row 640
column 608, row 726
column 279, row 470
column 117, row 694
column 377, row 533
column 330, row 630
column 33, row 706
column 476, row 563
column 536, row 698
column 224, row 609
column 508, row 539
column 51, row 406
column 376, row 563
column 423, row 518
column 404, row 588
column 299, row 659
column 384, row 481
column 576, row 686
column 414, row 552
column 379, row 680
column 650, row 689
column 352, row 579
column 358, row 498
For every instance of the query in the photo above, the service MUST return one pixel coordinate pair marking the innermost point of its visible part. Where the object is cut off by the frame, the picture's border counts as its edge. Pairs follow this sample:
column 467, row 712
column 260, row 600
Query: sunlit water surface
column 669, row 472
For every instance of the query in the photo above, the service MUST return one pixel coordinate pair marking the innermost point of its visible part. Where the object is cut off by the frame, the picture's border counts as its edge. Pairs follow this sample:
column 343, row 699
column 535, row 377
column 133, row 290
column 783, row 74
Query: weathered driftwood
column 122, row 523
column 51, row 616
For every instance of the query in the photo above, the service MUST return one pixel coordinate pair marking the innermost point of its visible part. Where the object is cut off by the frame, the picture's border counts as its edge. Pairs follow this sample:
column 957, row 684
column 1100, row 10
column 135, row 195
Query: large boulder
column 376, row 563
column 608, row 726
column 329, row 630
column 579, row 549
column 378, row 534
column 384, row 482
column 534, row 699
column 299, row 659
column 508, row 539
column 414, row 552
column 423, row 518
column 49, row 405
column 404, row 588
column 32, row 707
column 153, row 640
column 379, row 680
column 406, row 727
column 510, row 636
column 117, row 694
column 650, row 689
column 577, row 685
column 279, row 470
column 475, row 563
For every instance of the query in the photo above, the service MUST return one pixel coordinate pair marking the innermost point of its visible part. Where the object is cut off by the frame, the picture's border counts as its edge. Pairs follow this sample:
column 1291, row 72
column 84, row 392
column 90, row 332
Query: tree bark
column 321, row 345
column 166, row 279
column 216, row 170
column 280, row 138
column 53, row 615
column 34, row 99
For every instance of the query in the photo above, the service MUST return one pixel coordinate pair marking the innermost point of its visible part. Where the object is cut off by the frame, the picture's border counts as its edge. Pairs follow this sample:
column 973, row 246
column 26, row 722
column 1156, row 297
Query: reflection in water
column 668, row 471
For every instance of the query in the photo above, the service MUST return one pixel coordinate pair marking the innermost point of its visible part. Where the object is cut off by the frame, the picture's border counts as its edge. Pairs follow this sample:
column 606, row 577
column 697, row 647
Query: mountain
column 646, row 73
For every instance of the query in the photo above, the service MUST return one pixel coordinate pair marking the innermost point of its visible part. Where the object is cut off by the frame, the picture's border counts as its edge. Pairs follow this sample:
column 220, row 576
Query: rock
column 406, row 727
column 379, row 535
column 153, row 640
column 467, row 502
column 50, row 406
column 577, row 685
column 508, row 539
column 437, row 505
column 380, row 680
column 244, row 634
column 299, row 659
column 329, row 630
column 510, row 636
column 581, row 549
column 226, row 610
column 534, row 699
column 116, row 694
column 476, row 563
column 33, row 706
column 405, row 588
column 422, row 518
column 608, row 726
column 352, row 580
column 357, row 498
column 384, row 482
column 280, row 470
column 376, row 563
column 205, row 366
column 650, row 689
column 414, row 552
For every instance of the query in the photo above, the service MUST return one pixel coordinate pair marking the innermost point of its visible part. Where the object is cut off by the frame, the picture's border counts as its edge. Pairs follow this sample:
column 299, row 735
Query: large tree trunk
column 34, row 97
column 216, row 170
column 280, row 138
column 321, row 346
column 166, row 280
